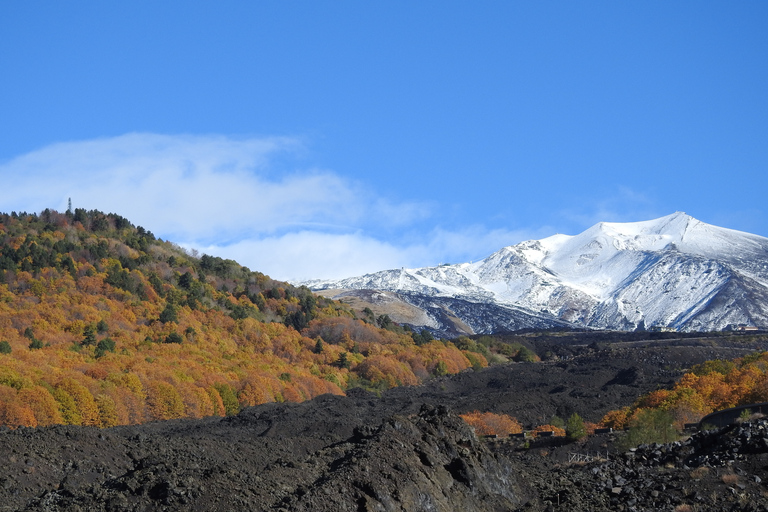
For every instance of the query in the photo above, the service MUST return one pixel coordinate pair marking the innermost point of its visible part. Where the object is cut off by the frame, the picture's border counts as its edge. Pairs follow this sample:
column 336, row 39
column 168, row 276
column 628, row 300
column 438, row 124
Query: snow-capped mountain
column 674, row 272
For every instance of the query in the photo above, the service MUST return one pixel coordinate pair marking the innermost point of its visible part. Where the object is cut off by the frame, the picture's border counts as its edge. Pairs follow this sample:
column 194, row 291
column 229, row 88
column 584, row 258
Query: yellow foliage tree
column 164, row 401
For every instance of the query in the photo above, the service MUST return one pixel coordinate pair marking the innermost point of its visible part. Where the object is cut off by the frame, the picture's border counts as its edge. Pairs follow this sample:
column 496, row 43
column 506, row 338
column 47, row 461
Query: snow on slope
column 666, row 271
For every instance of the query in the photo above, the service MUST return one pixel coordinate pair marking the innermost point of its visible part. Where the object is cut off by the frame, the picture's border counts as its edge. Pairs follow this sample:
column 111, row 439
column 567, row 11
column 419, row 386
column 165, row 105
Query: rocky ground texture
column 405, row 450
column 722, row 469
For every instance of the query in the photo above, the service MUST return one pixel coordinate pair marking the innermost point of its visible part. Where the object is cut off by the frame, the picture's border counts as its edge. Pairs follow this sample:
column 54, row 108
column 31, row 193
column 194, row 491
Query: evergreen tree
column 89, row 336
column 104, row 346
column 169, row 314
column 186, row 280
column 174, row 337
column 343, row 361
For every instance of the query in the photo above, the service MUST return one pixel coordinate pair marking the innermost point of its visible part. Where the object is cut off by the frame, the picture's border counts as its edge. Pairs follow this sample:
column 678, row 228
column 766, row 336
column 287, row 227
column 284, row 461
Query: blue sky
column 328, row 139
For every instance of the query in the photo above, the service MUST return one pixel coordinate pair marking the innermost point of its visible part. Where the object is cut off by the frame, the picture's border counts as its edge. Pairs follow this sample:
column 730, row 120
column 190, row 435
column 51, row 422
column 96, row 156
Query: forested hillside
column 710, row 386
column 101, row 324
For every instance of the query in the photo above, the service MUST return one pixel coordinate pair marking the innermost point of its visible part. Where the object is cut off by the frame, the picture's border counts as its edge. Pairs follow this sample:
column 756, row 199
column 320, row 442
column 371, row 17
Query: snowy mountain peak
column 672, row 271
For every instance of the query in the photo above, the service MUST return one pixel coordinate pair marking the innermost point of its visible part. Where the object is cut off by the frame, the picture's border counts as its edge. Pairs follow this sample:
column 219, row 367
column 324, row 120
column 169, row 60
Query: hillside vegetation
column 710, row 386
column 102, row 324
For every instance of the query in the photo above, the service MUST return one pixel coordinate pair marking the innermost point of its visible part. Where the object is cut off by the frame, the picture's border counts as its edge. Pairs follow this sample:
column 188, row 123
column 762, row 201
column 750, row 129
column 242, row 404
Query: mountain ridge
column 672, row 272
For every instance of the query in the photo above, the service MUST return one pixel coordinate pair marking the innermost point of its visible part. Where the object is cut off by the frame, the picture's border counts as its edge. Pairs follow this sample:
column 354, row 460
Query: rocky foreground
column 723, row 469
column 407, row 450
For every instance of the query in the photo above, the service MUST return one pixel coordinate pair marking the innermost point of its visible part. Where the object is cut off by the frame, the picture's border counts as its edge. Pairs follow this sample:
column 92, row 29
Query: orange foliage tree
column 489, row 423
column 560, row 432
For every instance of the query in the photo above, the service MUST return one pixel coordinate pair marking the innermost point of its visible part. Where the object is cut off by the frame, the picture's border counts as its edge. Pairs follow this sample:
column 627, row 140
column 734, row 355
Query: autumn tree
column 489, row 423
column 559, row 432
column 85, row 408
column 42, row 404
column 164, row 401
column 13, row 412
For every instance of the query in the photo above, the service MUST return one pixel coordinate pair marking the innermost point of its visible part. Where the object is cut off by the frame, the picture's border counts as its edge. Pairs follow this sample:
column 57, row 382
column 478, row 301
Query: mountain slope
column 103, row 324
column 675, row 272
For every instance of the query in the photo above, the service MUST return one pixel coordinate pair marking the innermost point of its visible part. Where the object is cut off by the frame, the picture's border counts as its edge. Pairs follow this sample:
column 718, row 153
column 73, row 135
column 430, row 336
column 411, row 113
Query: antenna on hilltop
column 69, row 208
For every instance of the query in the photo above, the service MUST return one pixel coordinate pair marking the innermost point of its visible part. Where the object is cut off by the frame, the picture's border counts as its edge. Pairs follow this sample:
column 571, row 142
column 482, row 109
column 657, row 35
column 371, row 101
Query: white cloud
column 308, row 255
column 305, row 255
column 227, row 197
column 194, row 188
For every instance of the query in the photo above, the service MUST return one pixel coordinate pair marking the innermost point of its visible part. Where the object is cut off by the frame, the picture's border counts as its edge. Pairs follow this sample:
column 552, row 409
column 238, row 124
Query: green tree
column 424, row 337
column 174, row 337
column 650, row 426
column 186, row 280
column 385, row 322
column 525, row 355
column 169, row 314
column 104, row 346
column 5, row 347
column 102, row 326
column 229, row 398
column 89, row 336
column 574, row 428
column 343, row 361
column 557, row 421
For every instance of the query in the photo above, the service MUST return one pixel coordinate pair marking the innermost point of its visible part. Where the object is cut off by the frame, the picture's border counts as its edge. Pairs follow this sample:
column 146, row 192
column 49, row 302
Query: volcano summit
column 674, row 272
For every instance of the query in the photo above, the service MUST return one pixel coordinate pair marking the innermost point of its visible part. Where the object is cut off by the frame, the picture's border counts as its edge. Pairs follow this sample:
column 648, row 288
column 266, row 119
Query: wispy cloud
column 228, row 197
column 305, row 255
column 189, row 187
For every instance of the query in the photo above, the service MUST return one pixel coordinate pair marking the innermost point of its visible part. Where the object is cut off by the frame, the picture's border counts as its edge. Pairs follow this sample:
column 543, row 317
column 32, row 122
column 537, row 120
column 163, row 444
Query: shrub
column 575, row 428
column 650, row 426
column 559, row 432
column 488, row 423
column 526, row 355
